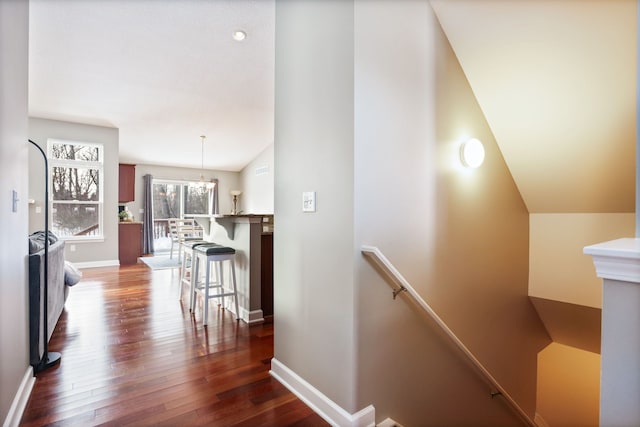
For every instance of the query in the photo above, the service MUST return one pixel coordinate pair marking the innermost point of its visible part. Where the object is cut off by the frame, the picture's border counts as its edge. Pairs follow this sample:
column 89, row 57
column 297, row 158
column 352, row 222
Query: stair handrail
column 374, row 253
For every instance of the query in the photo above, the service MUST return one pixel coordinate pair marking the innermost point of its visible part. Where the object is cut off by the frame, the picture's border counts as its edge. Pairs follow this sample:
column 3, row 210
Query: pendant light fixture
column 202, row 160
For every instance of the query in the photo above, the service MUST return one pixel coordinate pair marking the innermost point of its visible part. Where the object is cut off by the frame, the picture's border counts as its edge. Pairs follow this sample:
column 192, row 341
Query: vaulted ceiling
column 556, row 80
column 163, row 72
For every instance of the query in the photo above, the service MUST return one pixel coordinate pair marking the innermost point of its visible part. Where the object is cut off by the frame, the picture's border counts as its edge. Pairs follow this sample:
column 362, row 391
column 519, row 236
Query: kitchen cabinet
column 129, row 242
column 127, row 183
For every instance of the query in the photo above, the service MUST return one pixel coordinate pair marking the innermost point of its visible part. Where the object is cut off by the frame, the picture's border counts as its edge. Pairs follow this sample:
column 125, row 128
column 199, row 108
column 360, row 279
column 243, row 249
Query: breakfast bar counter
column 244, row 233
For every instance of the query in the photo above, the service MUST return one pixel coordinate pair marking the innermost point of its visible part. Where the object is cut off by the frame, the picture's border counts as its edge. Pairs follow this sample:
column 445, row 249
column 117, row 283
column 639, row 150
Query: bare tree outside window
column 166, row 201
column 196, row 199
column 76, row 198
column 175, row 199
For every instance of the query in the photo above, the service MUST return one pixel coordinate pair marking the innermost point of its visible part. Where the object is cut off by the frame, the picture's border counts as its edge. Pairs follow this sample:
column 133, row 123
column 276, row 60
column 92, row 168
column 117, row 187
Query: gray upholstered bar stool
column 213, row 253
column 187, row 270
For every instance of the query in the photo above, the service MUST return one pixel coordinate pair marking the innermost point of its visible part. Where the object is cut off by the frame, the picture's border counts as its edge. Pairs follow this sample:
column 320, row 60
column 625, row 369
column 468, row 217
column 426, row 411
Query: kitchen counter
column 244, row 234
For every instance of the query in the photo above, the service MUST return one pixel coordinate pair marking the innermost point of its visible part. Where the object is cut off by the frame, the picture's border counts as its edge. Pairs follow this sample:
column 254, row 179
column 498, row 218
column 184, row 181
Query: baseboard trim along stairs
column 321, row 404
column 388, row 422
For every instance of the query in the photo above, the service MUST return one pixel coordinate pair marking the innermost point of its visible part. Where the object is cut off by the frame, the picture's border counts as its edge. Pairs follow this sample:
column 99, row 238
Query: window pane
column 166, row 201
column 85, row 153
column 76, row 219
column 196, row 199
column 75, row 184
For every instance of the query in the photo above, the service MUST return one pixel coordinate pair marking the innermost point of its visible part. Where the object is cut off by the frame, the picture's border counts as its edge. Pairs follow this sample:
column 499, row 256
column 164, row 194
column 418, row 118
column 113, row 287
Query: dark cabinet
column 266, row 274
column 129, row 242
column 127, row 183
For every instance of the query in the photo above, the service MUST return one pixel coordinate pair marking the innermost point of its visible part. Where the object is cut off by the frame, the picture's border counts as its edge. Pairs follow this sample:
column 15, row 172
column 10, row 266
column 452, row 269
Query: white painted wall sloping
column 459, row 236
column 15, row 372
column 556, row 81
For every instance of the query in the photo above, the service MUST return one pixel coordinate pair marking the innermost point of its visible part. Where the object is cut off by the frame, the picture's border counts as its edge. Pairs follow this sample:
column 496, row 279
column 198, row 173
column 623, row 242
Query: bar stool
column 216, row 254
column 186, row 270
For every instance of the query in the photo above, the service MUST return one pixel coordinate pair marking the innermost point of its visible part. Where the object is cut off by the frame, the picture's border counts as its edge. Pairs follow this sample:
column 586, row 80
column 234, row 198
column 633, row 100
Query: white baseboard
column 388, row 422
column 321, row 404
column 20, row 400
column 252, row 317
column 96, row 264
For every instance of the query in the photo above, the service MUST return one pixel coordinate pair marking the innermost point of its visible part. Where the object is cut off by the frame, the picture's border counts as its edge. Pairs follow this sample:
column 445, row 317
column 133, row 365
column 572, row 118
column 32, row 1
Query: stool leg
column 195, row 272
column 183, row 273
column 235, row 290
column 221, row 282
column 206, row 293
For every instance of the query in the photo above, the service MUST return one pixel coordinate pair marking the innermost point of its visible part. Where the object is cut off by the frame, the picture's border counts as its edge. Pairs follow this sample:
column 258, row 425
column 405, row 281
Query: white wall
column 558, row 269
column 226, row 181
column 14, row 163
column 40, row 130
column 313, row 252
column 257, row 184
column 460, row 236
column 371, row 108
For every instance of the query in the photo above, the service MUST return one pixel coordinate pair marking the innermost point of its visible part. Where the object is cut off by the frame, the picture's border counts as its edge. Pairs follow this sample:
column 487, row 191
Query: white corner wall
column 313, row 252
column 15, row 380
column 40, row 130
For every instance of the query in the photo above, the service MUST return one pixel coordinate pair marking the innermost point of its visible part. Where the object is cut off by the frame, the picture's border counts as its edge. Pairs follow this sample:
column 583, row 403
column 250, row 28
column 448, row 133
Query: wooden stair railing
column 404, row 287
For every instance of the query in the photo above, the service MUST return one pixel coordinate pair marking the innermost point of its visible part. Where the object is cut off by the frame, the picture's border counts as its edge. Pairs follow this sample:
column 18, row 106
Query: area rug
column 160, row 262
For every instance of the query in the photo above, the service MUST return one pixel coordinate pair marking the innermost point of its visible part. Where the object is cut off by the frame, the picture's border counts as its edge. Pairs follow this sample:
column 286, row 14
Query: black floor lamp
column 48, row 358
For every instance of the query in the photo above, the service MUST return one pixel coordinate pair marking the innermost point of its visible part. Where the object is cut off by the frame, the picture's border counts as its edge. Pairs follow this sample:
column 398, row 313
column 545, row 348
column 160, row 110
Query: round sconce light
column 472, row 153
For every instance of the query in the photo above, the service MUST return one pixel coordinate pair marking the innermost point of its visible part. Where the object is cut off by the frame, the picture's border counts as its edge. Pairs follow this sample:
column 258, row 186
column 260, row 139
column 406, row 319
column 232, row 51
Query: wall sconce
column 472, row 153
column 235, row 194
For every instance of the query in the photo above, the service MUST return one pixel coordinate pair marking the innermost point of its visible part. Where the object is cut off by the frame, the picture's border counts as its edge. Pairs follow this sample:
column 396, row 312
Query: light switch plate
column 309, row 201
column 14, row 201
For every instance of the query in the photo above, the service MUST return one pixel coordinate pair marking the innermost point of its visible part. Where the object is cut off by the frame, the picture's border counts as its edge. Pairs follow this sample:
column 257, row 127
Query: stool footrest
column 228, row 294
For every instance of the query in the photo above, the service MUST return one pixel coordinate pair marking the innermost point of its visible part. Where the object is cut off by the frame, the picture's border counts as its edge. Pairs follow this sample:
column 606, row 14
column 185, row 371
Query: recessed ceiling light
column 239, row 35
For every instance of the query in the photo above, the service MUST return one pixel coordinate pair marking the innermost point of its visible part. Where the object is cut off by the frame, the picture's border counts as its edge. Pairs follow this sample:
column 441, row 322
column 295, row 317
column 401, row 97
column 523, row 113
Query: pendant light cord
column 202, row 159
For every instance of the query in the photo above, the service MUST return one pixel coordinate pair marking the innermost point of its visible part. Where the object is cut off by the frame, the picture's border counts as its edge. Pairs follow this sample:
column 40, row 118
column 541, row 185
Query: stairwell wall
column 459, row 236
column 371, row 107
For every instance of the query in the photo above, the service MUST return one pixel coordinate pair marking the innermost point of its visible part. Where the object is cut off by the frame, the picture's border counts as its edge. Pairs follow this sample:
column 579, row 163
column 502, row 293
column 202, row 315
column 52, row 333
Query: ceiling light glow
column 239, row 35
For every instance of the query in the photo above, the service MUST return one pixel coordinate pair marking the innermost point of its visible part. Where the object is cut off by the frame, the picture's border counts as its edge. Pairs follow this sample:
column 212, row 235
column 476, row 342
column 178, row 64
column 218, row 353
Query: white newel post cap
column 617, row 259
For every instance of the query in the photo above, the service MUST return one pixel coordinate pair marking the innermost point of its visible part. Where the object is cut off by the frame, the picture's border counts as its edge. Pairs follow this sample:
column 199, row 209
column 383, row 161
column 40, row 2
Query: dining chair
column 173, row 233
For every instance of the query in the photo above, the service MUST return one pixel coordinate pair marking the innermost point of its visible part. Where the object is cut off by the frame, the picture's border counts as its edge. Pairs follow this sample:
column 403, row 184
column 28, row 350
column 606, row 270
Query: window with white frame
column 76, row 189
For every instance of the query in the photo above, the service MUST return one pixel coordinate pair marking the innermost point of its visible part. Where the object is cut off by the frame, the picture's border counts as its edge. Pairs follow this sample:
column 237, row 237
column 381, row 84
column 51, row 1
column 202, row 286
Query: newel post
column 618, row 263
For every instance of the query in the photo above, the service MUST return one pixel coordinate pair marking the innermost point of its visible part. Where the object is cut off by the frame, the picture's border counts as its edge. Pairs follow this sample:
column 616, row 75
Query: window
column 76, row 189
column 177, row 199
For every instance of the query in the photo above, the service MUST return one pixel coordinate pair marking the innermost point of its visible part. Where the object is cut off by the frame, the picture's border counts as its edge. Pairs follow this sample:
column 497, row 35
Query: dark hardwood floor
column 132, row 355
